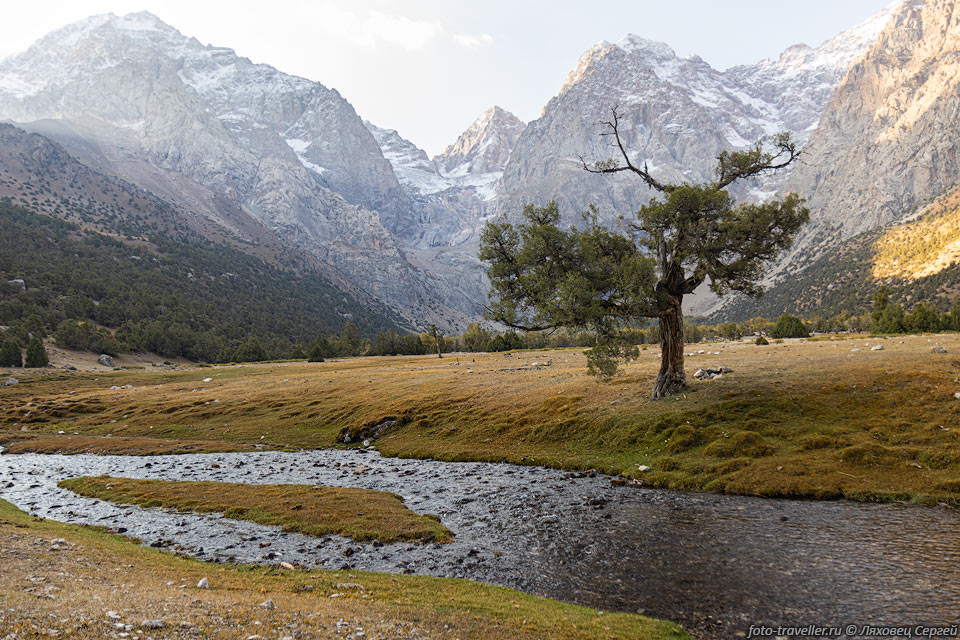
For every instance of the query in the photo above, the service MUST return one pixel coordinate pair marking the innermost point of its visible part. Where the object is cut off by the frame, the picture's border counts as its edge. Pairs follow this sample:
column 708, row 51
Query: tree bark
column 672, row 379
column 436, row 341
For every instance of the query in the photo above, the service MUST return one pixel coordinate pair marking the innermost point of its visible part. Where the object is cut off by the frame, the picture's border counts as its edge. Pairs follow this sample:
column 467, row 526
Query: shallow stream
column 716, row 564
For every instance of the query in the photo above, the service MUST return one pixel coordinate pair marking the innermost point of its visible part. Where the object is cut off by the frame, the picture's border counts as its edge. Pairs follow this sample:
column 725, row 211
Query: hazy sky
column 428, row 67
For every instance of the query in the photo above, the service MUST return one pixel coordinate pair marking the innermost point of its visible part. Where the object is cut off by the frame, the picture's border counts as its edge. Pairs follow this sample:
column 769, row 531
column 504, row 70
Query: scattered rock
column 105, row 360
column 957, row 395
column 708, row 373
column 113, row 615
column 268, row 605
column 10, row 382
column 153, row 624
column 287, row 565
column 643, row 467
column 370, row 433
column 938, row 349
column 207, row 380
column 203, row 584
column 876, row 347
column 18, row 284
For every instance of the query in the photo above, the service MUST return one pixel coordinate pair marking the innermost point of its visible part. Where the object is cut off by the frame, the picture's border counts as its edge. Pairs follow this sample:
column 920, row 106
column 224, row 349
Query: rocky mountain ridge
column 200, row 125
column 132, row 96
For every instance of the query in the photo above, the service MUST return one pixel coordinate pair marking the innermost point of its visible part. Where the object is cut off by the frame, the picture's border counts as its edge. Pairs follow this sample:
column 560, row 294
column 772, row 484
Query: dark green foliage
column 10, row 355
column 789, row 327
column 761, row 341
column 195, row 300
column 505, row 342
column 36, row 354
column 391, row 343
column 544, row 277
column 252, row 350
column 316, row 354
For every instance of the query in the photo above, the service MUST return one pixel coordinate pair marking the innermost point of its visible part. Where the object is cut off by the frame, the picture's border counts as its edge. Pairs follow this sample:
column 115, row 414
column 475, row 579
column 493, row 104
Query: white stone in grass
column 203, row 584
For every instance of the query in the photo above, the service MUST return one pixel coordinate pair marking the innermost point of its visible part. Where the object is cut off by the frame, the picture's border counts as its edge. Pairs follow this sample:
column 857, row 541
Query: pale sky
column 428, row 67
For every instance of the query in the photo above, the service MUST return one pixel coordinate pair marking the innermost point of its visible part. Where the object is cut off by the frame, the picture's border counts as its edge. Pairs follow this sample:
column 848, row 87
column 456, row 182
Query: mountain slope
column 918, row 260
column 888, row 137
column 197, row 124
column 677, row 114
column 91, row 247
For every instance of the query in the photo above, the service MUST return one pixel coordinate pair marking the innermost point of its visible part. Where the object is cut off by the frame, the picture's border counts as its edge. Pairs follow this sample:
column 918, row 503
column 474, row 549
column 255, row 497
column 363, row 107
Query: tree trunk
column 436, row 341
column 672, row 379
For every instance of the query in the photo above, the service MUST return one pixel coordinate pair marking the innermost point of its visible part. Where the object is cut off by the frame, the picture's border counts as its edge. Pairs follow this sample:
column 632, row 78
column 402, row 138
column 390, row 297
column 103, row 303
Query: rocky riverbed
column 717, row 564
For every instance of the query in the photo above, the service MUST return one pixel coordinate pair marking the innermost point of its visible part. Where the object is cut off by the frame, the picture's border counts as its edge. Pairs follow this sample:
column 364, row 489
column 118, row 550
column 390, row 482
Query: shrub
column 10, row 355
column 36, row 354
column 761, row 341
column 789, row 327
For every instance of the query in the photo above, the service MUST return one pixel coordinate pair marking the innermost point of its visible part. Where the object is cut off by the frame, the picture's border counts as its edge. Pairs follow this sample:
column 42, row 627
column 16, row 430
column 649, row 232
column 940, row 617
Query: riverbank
column 809, row 419
column 80, row 582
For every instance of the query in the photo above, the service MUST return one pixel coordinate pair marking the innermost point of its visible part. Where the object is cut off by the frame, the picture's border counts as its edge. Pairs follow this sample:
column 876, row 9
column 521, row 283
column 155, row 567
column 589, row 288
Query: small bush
column 761, row 341
column 10, row 355
column 789, row 327
column 36, row 354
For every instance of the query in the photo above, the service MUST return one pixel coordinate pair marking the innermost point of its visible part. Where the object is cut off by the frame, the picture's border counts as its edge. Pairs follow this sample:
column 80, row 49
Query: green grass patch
column 360, row 514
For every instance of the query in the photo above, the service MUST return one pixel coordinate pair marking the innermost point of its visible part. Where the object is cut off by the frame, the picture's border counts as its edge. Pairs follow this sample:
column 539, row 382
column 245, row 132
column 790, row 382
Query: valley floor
column 70, row 581
column 826, row 418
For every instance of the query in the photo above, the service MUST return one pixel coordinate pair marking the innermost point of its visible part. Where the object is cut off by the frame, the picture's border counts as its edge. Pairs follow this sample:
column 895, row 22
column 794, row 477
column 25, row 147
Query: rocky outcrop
column 485, row 146
column 676, row 113
column 888, row 138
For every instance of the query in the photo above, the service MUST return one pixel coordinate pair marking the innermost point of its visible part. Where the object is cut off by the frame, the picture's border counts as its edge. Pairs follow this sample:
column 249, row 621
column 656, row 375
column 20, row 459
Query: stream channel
column 716, row 564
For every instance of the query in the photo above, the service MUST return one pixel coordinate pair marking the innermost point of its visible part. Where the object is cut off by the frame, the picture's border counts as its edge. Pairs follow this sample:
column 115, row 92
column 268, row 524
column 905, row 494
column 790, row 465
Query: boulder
column 708, row 373
column 938, row 349
column 105, row 360
column 203, row 584
column 876, row 347
column 10, row 382
column 17, row 284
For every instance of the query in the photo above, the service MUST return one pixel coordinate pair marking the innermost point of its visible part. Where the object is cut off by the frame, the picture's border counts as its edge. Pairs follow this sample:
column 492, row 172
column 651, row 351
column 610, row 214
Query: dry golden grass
column 360, row 514
column 803, row 418
column 68, row 587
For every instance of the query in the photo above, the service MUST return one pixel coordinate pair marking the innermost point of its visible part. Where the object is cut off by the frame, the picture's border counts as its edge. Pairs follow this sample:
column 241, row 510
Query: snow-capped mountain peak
column 485, row 146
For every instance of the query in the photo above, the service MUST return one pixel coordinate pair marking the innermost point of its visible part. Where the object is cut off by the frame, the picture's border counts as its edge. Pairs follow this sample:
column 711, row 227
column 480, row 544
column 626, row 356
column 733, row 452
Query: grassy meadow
column 821, row 418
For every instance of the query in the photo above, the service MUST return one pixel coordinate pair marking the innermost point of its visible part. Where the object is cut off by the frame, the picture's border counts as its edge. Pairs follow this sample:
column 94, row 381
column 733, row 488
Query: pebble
column 268, row 605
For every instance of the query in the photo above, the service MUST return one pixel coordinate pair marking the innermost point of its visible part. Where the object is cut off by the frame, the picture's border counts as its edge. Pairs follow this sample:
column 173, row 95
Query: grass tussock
column 360, row 514
column 786, row 413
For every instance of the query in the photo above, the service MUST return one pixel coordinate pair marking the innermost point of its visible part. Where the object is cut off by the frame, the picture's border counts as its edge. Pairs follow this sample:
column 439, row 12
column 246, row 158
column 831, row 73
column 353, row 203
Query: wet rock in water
column 105, row 360
column 203, row 584
column 10, row 382
column 938, row 349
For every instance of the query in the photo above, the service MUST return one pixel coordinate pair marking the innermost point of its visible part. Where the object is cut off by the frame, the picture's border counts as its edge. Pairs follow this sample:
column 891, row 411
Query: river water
column 716, row 564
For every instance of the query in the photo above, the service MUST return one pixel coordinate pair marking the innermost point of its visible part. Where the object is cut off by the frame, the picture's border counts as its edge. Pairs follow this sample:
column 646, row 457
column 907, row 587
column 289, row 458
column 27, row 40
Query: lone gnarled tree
column 544, row 277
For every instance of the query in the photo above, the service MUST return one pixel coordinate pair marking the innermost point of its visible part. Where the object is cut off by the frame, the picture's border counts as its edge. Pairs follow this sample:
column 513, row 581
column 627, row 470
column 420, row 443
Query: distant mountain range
column 261, row 158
